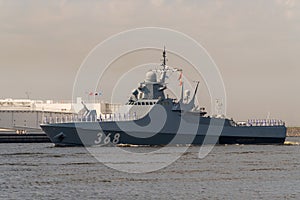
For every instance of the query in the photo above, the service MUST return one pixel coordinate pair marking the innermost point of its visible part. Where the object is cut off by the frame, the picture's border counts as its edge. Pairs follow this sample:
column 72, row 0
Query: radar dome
column 150, row 77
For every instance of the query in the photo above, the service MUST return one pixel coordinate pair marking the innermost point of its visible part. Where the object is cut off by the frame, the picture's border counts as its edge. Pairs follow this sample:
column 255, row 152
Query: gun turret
column 90, row 115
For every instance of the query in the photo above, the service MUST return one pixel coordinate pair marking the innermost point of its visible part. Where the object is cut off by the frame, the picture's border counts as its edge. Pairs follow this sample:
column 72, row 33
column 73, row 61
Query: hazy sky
column 255, row 44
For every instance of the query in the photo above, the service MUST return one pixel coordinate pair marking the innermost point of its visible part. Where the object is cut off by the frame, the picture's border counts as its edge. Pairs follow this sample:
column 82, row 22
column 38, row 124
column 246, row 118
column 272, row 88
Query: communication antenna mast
column 268, row 116
column 27, row 94
column 219, row 106
column 164, row 58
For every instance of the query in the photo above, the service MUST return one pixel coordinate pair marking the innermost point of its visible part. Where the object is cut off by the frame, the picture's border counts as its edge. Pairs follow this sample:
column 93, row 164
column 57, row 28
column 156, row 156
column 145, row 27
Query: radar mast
column 164, row 57
column 164, row 64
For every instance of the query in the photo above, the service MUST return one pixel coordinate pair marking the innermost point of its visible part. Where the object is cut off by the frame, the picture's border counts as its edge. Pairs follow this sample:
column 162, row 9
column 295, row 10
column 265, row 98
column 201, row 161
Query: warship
column 150, row 117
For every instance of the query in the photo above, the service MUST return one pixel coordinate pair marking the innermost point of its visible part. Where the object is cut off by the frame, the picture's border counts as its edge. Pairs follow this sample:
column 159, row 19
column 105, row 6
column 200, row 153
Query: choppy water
column 41, row 171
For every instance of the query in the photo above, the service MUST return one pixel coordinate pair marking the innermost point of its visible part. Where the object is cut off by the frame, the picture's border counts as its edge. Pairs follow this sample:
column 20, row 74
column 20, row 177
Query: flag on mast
column 180, row 75
column 95, row 93
column 180, row 79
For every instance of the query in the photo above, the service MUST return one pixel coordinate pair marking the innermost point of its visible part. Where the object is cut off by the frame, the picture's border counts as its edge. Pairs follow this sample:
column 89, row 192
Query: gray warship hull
column 106, row 133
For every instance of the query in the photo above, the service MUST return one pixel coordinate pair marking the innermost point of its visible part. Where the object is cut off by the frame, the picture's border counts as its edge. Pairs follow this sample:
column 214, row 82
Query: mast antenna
column 164, row 57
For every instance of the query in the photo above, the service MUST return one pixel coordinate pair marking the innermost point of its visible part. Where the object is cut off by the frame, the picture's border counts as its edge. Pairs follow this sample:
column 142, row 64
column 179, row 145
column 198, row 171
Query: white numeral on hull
column 107, row 139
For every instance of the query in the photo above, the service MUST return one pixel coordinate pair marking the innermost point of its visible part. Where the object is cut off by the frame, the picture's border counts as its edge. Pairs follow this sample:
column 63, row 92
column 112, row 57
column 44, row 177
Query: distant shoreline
column 293, row 131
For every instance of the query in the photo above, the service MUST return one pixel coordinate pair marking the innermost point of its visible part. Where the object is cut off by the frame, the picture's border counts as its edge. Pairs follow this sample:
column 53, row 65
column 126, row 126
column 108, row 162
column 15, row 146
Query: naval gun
column 89, row 114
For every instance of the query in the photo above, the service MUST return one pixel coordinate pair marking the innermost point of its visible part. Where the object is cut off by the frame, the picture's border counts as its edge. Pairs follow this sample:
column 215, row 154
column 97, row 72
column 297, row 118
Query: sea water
column 42, row 171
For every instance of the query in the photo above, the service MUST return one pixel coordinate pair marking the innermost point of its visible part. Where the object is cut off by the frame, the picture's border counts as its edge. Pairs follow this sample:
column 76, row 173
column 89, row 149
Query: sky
column 254, row 43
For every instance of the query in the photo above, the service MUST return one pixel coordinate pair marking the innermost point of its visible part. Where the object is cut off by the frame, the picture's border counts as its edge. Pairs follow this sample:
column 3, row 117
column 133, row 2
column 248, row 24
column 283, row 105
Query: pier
column 13, row 137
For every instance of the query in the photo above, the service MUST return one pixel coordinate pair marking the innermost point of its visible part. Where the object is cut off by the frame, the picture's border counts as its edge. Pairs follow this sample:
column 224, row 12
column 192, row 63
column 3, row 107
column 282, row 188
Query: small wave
column 291, row 143
column 266, row 169
column 169, row 145
column 21, row 154
column 131, row 145
column 79, row 163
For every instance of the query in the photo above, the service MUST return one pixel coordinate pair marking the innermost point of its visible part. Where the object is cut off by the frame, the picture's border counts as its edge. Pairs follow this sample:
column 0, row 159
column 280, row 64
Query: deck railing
column 261, row 122
column 102, row 117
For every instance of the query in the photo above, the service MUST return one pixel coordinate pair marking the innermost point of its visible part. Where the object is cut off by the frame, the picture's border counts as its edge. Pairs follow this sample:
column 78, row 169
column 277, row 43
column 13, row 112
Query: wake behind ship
column 152, row 118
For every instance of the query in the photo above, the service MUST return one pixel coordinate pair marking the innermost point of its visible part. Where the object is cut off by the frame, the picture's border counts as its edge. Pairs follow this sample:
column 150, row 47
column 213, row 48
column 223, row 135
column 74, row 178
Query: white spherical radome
column 150, row 77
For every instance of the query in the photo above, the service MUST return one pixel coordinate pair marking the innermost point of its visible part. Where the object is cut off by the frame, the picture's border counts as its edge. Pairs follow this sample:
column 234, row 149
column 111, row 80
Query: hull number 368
column 105, row 139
